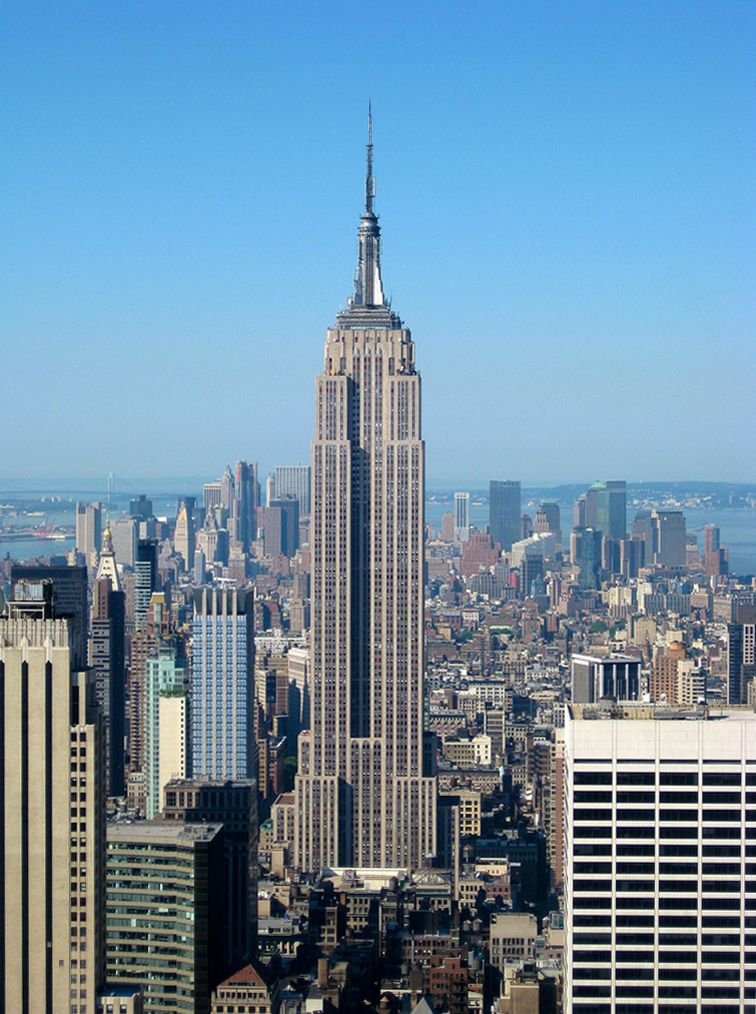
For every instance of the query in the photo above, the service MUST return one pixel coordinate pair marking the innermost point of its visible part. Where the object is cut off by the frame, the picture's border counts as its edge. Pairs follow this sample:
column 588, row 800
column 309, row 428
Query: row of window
column 731, row 778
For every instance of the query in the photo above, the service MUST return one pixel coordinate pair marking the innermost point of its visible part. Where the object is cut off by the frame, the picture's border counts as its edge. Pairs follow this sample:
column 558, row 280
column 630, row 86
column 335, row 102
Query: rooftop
column 169, row 832
column 630, row 711
column 246, row 976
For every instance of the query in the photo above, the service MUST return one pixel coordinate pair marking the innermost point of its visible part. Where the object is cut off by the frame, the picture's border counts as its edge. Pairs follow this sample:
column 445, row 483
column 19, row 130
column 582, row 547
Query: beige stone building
column 513, row 936
column 365, row 796
column 52, row 807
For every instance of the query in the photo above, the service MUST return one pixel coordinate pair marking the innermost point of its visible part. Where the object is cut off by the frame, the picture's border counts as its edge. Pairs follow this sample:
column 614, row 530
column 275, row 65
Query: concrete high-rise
column 125, row 535
column 670, row 538
column 183, row 536
column 223, row 684
column 165, row 692
column 363, row 795
column 88, row 530
column 144, row 644
column 166, row 908
column 715, row 559
column 52, row 813
column 293, row 480
column 281, row 527
column 547, row 520
column 461, row 516
column 659, row 891
column 234, row 805
column 505, row 512
column 741, row 653
column 68, row 589
column 595, row 677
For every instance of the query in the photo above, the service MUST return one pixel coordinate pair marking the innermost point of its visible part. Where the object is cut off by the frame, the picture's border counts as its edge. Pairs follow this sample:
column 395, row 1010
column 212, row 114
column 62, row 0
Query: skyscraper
column 659, row 896
column 603, row 508
column 616, row 495
column 52, row 810
column 504, row 512
column 183, row 536
column 281, row 527
column 144, row 643
column 68, row 588
column 145, row 579
column 293, row 480
column 461, row 516
column 547, row 520
column 88, row 529
column 246, row 500
column 715, row 555
column 670, row 537
column 741, row 653
column 107, row 649
column 166, row 908
column 234, row 805
column 222, row 684
column 585, row 551
column 363, row 797
column 165, row 676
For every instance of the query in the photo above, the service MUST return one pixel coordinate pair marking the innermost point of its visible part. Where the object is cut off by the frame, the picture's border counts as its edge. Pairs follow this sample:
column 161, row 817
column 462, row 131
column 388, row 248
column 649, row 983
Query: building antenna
column 369, row 178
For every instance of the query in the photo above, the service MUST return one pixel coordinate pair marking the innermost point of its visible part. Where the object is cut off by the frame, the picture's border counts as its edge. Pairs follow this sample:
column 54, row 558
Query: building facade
column 107, row 657
column 183, row 536
column 223, row 684
column 88, row 530
column 659, row 895
column 363, row 796
column 461, row 516
column 165, row 688
column 669, row 538
column 234, row 805
column 293, row 480
column 165, row 910
column 144, row 644
column 504, row 512
column 52, row 818
column 595, row 676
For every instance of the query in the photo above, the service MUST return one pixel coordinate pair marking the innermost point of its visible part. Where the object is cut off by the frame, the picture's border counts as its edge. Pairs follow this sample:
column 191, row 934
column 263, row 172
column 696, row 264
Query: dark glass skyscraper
column 504, row 512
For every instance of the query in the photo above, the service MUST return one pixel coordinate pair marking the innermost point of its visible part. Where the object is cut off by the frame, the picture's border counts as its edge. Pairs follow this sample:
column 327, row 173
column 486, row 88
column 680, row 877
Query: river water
column 737, row 528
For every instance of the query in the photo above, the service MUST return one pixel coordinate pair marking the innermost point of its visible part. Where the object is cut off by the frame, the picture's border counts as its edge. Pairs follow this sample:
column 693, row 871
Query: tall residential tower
column 363, row 798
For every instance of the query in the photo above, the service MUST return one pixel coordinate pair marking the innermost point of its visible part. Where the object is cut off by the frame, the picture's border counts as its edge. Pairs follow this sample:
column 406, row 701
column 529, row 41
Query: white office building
column 660, row 860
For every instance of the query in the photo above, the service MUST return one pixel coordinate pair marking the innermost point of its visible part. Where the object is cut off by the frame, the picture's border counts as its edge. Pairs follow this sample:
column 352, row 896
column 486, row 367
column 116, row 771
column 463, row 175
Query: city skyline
column 288, row 737
column 161, row 173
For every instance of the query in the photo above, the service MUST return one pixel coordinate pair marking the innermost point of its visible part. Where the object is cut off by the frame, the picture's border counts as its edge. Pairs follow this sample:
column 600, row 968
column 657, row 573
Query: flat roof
column 170, row 832
column 631, row 711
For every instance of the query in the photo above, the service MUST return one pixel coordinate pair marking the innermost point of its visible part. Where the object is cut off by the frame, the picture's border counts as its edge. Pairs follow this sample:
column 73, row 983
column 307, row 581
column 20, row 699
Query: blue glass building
column 223, row 684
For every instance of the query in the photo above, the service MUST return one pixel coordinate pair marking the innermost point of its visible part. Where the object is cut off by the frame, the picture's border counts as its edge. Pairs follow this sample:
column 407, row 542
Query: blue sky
column 567, row 200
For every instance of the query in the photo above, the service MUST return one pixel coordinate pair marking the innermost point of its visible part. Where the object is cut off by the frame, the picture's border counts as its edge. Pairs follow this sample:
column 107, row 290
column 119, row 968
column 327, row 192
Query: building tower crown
column 368, row 304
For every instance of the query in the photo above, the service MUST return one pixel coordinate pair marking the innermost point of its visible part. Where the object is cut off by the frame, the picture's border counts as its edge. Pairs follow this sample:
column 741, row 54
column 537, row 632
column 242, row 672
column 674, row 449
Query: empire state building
column 363, row 797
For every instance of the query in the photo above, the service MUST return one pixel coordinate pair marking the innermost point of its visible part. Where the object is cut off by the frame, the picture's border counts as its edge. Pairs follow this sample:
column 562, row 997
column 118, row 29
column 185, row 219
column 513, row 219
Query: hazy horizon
column 136, row 484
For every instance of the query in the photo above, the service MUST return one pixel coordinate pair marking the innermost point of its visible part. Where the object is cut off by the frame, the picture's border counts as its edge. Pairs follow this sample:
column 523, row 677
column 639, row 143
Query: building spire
column 369, row 178
column 107, row 564
column 368, row 288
